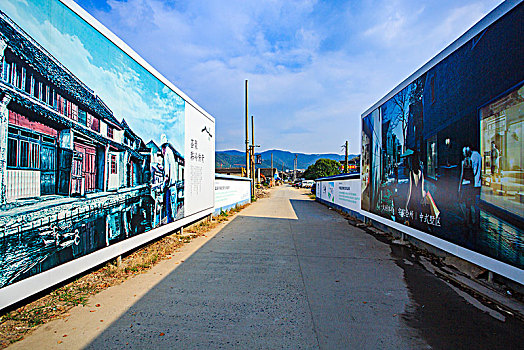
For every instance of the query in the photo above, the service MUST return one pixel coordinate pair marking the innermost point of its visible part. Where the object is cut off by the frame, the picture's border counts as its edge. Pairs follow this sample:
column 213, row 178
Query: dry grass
column 16, row 324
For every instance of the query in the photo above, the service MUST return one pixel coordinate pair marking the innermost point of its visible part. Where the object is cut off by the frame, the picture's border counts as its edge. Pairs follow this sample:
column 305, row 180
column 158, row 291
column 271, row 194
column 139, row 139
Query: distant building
column 157, row 170
column 268, row 173
column 135, row 165
column 289, row 174
column 353, row 164
column 231, row 171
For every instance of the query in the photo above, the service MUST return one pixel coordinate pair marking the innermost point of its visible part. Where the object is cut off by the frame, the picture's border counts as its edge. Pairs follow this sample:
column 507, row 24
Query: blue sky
column 313, row 66
column 148, row 106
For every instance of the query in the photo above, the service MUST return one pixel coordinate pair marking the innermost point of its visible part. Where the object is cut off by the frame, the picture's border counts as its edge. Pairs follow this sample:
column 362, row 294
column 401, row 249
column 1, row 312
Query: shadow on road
column 309, row 282
column 242, row 287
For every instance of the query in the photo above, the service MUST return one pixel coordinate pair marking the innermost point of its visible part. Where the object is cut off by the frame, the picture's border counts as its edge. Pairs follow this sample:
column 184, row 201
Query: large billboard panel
column 444, row 155
column 98, row 152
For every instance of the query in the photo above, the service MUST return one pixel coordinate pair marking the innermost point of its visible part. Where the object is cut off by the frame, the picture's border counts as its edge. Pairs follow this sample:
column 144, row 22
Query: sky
column 313, row 66
column 130, row 91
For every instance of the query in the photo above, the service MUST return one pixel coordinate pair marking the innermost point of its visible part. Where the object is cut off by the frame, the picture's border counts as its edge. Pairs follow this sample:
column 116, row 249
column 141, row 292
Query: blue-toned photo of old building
column 73, row 178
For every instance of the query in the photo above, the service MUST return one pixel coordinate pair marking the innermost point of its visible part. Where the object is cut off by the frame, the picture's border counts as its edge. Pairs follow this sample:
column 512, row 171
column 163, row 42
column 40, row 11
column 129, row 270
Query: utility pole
column 346, row 160
column 247, row 139
column 272, row 176
column 295, row 169
column 253, row 156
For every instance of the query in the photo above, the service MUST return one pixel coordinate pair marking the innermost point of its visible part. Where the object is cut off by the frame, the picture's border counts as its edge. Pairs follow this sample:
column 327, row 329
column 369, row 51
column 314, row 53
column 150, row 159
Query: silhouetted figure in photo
column 395, row 172
column 470, row 185
column 495, row 161
column 416, row 193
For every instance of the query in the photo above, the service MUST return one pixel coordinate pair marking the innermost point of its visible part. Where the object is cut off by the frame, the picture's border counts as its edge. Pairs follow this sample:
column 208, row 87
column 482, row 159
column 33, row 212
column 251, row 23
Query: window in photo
column 502, row 134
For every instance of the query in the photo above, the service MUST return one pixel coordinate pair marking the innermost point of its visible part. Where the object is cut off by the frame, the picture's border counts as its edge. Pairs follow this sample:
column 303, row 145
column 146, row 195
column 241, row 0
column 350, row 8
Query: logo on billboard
column 208, row 132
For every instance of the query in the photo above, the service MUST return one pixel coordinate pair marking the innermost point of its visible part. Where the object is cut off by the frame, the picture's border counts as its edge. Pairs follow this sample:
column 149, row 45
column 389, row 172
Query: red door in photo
column 76, row 173
column 88, row 165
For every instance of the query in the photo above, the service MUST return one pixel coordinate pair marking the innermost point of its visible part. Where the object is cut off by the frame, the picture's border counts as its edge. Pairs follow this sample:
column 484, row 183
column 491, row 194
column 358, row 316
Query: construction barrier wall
column 231, row 191
column 99, row 153
column 341, row 190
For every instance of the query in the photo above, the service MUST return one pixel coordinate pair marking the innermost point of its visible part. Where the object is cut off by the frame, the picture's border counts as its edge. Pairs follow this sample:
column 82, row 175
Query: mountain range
column 234, row 159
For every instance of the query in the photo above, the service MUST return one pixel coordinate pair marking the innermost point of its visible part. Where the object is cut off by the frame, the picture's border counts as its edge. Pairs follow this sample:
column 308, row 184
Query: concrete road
column 285, row 273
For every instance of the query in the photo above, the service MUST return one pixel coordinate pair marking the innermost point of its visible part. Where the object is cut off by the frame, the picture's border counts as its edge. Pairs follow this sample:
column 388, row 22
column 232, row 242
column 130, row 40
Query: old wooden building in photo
column 57, row 137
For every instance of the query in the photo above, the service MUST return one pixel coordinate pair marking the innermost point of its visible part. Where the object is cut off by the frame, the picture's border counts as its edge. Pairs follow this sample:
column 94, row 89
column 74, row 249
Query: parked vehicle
column 307, row 183
column 297, row 183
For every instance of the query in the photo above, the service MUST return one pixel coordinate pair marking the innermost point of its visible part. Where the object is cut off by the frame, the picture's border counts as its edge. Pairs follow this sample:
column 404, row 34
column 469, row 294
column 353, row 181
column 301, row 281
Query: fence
column 231, row 191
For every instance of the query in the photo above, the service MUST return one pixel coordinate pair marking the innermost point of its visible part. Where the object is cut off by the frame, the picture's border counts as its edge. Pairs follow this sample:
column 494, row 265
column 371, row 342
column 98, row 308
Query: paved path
column 285, row 273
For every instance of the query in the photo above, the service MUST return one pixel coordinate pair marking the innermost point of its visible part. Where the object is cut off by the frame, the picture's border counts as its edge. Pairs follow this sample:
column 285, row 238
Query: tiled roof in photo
column 22, row 45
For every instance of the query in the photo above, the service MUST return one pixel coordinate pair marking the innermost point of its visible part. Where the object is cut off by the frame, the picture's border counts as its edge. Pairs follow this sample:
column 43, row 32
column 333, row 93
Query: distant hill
column 233, row 158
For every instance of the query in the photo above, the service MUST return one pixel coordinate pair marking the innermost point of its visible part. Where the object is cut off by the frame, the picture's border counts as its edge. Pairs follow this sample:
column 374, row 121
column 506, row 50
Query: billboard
column 98, row 152
column 230, row 191
column 443, row 153
column 342, row 192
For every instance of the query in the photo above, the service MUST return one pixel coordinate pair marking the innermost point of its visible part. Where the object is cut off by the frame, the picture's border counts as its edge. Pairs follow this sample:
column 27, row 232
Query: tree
column 322, row 168
column 401, row 101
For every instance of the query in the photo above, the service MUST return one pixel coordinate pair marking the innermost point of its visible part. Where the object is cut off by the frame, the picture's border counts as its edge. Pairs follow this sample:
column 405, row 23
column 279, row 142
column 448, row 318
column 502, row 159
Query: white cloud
column 310, row 64
column 120, row 87
column 390, row 28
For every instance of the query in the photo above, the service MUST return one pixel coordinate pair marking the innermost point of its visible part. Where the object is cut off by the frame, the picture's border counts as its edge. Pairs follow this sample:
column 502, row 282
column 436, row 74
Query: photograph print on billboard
column 93, row 146
column 445, row 154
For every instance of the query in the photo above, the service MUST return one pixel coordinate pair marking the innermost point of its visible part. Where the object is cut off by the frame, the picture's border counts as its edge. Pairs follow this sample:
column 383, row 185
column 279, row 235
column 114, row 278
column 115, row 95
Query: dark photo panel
column 445, row 154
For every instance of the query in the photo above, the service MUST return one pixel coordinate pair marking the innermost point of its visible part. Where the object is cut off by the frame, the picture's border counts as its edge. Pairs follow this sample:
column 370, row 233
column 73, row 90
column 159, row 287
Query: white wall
column 113, row 182
column 103, row 128
column 345, row 193
column 22, row 184
column 229, row 192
